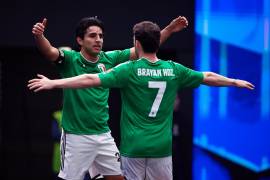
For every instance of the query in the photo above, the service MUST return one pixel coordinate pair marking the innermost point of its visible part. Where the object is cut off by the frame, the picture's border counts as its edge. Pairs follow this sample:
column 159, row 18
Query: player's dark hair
column 148, row 34
column 86, row 22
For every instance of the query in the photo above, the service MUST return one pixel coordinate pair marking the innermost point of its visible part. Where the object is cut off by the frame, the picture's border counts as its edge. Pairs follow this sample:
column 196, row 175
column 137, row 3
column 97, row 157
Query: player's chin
column 96, row 51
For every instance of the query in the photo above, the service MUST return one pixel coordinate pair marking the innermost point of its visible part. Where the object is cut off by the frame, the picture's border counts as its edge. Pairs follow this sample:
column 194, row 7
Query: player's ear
column 136, row 43
column 79, row 41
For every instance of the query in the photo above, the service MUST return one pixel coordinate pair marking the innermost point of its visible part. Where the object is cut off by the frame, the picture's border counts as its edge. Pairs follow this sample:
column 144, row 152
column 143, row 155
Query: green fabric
column 56, row 162
column 148, row 91
column 58, row 116
column 85, row 111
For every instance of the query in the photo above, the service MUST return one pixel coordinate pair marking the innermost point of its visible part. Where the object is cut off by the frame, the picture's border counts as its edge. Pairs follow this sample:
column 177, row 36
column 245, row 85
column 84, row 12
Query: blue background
column 232, row 39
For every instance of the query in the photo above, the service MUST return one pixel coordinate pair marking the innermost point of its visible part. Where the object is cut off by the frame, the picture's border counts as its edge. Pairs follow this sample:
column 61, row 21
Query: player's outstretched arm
column 175, row 25
column 81, row 81
column 42, row 43
column 213, row 79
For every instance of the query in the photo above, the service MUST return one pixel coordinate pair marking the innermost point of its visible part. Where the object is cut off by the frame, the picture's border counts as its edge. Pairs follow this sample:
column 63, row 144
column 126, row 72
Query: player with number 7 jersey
column 148, row 91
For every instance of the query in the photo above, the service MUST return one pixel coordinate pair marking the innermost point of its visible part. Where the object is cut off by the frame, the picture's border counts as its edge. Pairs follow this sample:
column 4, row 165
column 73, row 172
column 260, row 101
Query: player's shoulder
column 169, row 63
column 125, row 64
column 113, row 53
column 137, row 62
column 110, row 56
column 67, row 55
column 107, row 53
column 175, row 64
column 69, row 52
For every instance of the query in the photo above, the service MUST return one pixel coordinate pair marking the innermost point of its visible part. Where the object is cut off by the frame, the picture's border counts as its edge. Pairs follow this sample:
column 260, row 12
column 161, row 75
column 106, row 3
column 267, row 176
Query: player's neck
column 152, row 57
column 88, row 57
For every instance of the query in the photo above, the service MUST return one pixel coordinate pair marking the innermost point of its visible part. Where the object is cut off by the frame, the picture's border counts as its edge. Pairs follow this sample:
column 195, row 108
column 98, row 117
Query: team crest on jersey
column 101, row 67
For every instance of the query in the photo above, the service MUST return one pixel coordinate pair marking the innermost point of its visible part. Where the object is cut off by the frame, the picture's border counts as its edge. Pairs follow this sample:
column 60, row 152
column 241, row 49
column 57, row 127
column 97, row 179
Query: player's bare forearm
column 46, row 48
column 81, row 81
column 175, row 25
column 213, row 79
column 42, row 43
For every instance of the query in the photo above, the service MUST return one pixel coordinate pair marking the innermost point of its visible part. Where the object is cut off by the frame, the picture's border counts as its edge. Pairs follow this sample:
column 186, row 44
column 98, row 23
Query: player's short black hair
column 148, row 34
column 86, row 22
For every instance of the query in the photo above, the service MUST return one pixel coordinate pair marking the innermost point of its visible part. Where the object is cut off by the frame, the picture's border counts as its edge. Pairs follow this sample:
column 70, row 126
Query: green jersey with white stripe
column 148, row 92
column 85, row 111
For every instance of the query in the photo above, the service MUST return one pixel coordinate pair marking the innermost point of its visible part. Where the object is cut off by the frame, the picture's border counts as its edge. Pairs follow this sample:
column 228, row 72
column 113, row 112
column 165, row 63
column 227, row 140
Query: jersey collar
column 85, row 60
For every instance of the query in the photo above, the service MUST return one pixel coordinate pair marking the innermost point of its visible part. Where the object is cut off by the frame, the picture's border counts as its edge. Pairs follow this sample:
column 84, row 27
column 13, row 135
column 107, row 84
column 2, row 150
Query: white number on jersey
column 161, row 85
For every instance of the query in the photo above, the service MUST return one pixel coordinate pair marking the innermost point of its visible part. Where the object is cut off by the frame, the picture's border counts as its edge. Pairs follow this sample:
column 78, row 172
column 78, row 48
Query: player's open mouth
column 97, row 47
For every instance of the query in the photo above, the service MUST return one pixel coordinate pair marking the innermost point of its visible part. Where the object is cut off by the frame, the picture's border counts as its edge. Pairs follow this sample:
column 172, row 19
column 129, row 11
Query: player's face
column 93, row 40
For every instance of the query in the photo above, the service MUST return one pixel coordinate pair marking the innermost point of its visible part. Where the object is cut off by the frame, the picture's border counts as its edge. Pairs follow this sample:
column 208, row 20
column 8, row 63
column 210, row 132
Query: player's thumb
column 44, row 22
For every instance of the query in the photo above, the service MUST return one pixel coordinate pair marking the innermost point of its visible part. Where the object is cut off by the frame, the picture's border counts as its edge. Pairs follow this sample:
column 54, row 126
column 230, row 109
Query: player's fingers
column 248, row 85
column 251, row 86
column 33, row 80
column 35, row 86
column 40, row 76
column 37, row 30
column 177, row 19
column 183, row 20
column 39, row 27
column 38, row 89
column 31, row 85
column 34, row 31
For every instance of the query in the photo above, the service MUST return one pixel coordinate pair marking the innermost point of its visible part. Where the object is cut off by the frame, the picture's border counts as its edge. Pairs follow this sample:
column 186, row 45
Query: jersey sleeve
column 188, row 78
column 118, row 56
column 116, row 77
column 64, row 60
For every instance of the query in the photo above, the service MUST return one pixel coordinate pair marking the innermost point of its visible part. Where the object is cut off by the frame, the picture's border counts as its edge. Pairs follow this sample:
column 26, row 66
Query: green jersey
column 148, row 91
column 85, row 111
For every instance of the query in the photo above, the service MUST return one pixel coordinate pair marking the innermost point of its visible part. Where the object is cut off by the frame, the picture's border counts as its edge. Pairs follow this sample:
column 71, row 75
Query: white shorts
column 80, row 152
column 147, row 168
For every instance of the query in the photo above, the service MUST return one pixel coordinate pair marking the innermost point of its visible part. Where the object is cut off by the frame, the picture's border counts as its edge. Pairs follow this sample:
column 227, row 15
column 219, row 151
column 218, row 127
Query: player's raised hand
column 178, row 24
column 39, row 28
column 40, row 83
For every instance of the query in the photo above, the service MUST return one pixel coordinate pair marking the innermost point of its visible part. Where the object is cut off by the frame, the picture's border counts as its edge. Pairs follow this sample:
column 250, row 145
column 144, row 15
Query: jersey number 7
column 161, row 85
